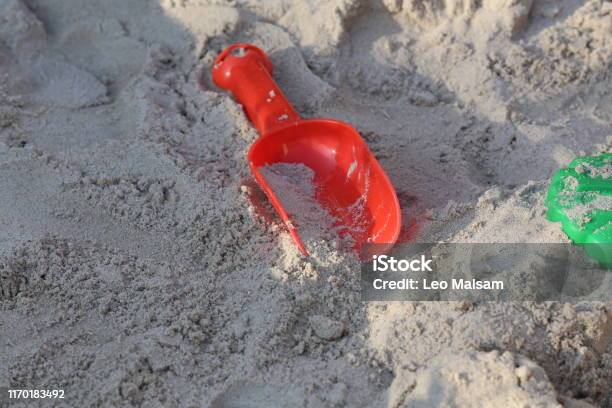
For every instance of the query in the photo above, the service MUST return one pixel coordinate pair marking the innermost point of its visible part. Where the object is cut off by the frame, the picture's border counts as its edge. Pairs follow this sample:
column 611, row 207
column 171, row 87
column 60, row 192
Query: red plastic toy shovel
column 352, row 186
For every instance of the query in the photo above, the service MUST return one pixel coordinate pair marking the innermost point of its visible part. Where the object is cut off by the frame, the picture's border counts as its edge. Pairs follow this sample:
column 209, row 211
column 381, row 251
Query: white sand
column 134, row 272
column 294, row 186
column 296, row 189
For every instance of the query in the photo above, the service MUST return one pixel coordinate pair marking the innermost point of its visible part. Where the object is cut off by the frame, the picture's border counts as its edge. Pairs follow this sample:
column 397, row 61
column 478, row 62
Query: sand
column 135, row 269
column 296, row 190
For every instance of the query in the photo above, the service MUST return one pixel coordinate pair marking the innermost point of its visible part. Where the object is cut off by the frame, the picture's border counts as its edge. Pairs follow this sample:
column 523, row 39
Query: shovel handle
column 246, row 71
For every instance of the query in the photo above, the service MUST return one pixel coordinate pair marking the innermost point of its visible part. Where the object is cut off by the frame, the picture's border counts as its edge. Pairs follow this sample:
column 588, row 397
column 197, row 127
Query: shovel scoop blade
column 350, row 183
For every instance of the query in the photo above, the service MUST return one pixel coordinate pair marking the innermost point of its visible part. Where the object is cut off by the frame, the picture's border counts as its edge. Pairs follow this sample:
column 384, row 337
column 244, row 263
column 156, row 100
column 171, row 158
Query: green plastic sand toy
column 580, row 197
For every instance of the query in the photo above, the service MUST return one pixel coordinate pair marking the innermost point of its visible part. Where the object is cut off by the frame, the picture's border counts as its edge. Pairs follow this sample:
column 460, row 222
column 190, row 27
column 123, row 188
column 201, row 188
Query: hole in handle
column 238, row 52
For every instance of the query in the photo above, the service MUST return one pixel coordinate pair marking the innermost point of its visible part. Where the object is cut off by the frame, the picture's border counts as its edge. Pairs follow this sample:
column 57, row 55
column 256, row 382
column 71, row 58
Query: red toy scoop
column 352, row 186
